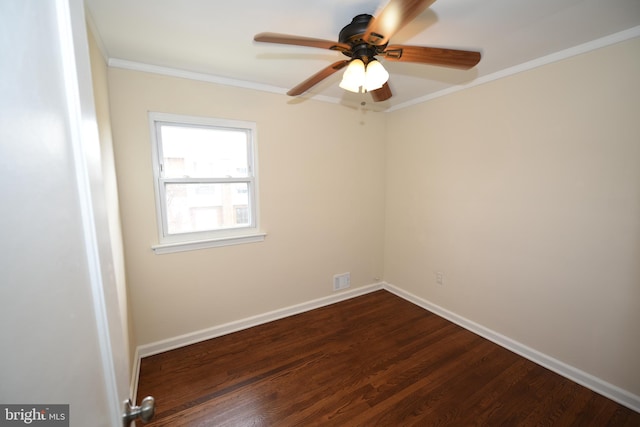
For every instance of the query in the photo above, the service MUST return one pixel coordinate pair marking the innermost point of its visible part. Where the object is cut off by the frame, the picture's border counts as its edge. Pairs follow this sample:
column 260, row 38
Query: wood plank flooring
column 375, row 360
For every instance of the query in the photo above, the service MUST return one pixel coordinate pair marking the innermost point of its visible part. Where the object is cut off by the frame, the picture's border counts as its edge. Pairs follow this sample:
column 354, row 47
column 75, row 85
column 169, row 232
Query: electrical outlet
column 341, row 281
column 440, row 278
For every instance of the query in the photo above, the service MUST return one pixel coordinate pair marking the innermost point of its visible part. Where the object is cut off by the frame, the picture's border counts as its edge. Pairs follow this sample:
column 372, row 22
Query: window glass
column 197, row 152
column 195, row 207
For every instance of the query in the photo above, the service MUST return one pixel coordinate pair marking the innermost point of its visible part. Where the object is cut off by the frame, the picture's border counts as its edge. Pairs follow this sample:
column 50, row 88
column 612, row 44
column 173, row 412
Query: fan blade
column 454, row 58
column 395, row 15
column 300, row 41
column 381, row 94
column 317, row 78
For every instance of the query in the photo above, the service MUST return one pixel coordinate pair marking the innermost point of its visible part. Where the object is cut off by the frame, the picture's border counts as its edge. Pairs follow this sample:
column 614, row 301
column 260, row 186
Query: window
column 205, row 182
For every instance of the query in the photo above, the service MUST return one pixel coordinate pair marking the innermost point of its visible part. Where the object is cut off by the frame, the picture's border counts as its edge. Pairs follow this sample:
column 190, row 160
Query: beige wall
column 525, row 193
column 101, row 96
column 321, row 190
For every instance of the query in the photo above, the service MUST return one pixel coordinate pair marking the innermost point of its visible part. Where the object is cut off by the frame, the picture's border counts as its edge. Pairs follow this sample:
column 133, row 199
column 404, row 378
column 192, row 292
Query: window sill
column 167, row 248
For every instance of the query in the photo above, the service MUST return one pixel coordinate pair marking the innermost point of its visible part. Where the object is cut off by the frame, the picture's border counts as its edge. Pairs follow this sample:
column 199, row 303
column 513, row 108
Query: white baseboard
column 585, row 379
column 227, row 328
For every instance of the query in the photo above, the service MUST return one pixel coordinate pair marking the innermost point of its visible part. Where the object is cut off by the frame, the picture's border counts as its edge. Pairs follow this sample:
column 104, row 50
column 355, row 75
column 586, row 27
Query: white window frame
column 212, row 238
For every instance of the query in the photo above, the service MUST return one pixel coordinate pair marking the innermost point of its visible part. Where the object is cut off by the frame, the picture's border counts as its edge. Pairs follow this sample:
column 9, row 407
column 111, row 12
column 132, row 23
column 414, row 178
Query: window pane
column 204, row 207
column 199, row 152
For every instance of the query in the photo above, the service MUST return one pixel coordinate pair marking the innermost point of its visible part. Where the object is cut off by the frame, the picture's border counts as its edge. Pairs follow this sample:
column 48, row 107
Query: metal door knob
column 145, row 411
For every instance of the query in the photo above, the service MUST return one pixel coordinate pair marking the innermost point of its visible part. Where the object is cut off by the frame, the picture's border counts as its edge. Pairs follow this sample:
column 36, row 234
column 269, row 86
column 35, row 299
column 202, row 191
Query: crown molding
column 539, row 62
column 204, row 77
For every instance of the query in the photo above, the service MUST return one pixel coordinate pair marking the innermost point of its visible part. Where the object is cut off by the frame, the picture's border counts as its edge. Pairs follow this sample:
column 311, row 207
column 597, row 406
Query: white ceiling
column 213, row 39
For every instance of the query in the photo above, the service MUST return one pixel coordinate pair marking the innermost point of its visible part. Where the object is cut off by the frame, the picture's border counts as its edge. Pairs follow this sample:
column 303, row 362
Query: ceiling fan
column 367, row 37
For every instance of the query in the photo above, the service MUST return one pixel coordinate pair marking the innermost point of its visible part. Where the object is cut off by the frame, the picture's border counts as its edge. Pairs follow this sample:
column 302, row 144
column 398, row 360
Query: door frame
column 72, row 25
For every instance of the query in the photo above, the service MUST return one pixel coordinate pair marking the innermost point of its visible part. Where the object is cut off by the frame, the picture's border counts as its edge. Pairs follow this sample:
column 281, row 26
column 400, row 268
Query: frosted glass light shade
column 354, row 76
column 376, row 76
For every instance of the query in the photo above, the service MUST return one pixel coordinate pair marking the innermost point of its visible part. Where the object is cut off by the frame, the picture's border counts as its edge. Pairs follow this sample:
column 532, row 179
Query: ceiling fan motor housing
column 356, row 28
column 352, row 35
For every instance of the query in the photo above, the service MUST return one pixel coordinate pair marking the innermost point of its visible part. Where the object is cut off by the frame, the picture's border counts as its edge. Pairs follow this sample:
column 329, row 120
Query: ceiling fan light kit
column 359, row 77
column 375, row 76
column 354, row 76
column 367, row 37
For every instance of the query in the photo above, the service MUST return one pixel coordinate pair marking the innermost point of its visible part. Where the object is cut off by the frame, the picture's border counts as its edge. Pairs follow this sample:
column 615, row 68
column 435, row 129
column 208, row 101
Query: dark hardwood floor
column 375, row 360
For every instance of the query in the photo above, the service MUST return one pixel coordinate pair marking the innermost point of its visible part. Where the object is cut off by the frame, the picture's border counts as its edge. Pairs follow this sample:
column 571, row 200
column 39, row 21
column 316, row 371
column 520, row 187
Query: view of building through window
column 205, row 172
